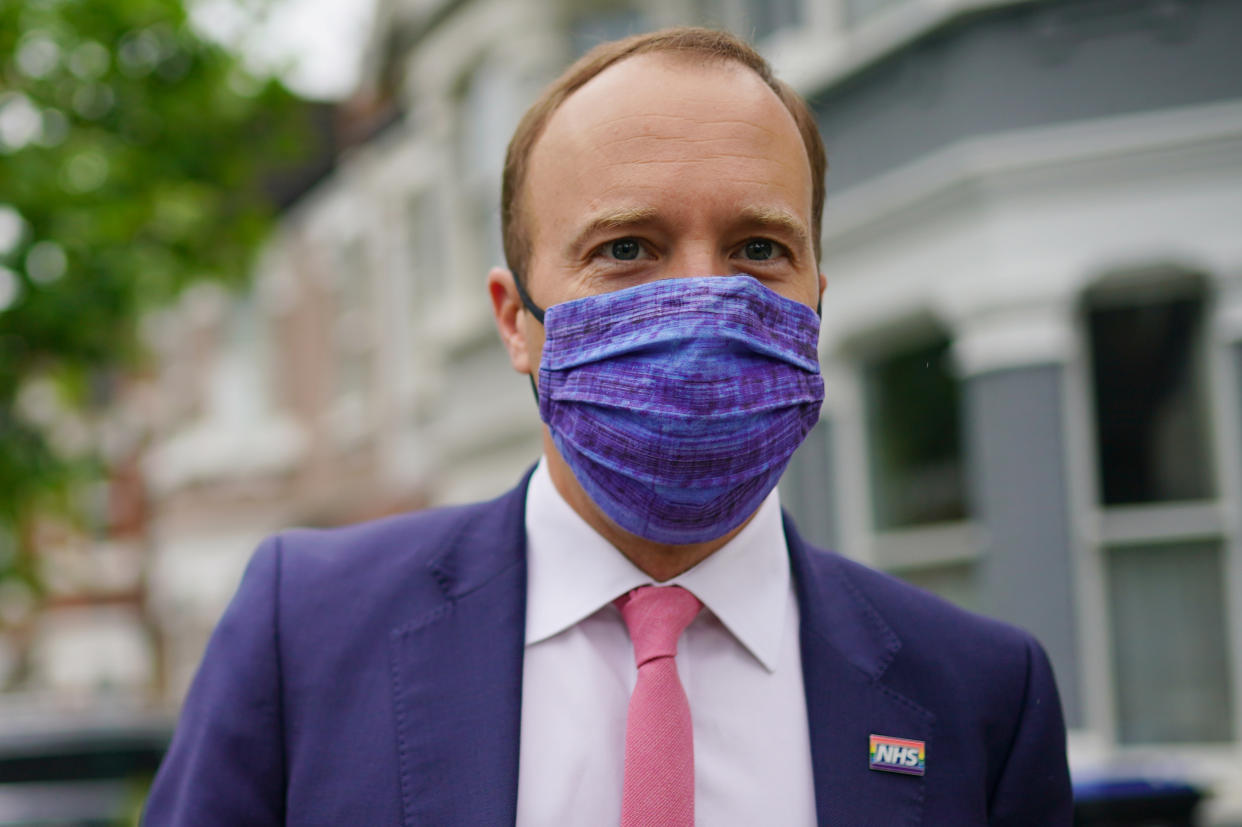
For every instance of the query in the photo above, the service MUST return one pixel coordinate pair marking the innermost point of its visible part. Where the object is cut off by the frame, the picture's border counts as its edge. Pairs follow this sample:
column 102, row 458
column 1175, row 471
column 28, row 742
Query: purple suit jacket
column 372, row 675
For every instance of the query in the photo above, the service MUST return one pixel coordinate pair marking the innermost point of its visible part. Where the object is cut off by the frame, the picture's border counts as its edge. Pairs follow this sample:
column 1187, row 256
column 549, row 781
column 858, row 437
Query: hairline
column 516, row 219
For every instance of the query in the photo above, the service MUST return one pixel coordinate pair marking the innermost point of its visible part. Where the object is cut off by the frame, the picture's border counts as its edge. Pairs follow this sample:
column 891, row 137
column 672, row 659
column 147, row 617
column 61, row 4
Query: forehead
column 654, row 122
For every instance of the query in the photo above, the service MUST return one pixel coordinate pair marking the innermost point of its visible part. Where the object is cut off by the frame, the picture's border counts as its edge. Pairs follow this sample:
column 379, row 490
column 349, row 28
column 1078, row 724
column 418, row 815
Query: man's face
column 661, row 167
column 658, row 168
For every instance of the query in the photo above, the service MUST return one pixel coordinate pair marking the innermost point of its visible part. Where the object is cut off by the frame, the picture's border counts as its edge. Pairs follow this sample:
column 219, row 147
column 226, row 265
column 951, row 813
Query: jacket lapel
column 457, row 677
column 846, row 648
column 457, row 685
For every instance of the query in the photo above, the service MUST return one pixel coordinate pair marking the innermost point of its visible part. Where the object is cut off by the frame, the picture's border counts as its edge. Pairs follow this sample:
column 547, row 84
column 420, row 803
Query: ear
column 510, row 317
column 823, row 285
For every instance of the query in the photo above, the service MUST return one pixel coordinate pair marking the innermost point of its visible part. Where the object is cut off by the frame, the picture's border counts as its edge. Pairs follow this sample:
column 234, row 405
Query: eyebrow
column 772, row 218
column 777, row 220
column 612, row 220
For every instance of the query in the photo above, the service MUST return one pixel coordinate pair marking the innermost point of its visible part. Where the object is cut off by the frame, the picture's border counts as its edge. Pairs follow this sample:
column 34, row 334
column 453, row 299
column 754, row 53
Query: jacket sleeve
column 226, row 761
column 1034, row 786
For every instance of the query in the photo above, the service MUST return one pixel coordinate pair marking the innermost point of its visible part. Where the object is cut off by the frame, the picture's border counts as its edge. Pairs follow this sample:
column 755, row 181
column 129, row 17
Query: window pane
column 601, row 22
column 858, row 10
column 1169, row 656
column 807, row 491
column 353, row 328
column 1150, row 422
column 914, row 439
column 488, row 113
column 425, row 234
column 487, row 223
column 489, row 117
column 768, row 16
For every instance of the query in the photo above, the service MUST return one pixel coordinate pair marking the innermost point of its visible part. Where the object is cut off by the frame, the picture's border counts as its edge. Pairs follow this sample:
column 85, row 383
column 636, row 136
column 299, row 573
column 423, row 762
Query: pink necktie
column 659, row 741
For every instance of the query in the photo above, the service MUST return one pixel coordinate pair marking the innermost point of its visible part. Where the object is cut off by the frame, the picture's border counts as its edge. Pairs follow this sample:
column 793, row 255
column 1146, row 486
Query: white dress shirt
column 738, row 661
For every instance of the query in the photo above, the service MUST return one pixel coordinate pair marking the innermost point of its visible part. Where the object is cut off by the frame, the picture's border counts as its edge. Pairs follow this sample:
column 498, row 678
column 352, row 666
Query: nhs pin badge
column 897, row 755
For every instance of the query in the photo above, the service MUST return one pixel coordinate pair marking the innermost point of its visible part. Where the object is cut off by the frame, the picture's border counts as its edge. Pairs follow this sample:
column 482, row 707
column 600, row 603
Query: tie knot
column 656, row 617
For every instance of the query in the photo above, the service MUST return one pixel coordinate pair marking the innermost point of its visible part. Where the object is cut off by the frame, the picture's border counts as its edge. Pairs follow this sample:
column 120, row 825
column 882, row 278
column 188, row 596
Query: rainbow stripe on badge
column 898, row 755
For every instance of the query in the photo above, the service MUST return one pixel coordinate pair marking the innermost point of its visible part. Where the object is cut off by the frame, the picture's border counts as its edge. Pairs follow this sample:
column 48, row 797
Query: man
column 514, row 661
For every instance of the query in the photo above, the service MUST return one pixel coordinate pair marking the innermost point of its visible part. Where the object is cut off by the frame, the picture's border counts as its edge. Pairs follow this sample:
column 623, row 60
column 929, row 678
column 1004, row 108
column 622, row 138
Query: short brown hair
column 706, row 43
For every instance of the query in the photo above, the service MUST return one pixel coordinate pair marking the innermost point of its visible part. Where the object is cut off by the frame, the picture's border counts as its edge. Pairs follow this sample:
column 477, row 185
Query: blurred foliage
column 133, row 155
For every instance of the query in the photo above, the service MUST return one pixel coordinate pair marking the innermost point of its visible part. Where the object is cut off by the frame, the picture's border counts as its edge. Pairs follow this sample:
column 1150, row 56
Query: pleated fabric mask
column 678, row 403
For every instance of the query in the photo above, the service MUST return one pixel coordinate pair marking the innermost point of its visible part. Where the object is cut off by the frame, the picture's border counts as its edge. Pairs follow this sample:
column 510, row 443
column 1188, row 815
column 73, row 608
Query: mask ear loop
column 535, row 311
column 526, row 300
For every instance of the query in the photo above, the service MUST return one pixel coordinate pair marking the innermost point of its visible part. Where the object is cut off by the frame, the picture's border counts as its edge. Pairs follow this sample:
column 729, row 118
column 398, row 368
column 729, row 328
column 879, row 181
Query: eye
column 624, row 249
column 760, row 249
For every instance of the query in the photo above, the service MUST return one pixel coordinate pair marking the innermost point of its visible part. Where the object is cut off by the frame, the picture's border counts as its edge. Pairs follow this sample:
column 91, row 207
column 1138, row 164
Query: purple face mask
column 678, row 403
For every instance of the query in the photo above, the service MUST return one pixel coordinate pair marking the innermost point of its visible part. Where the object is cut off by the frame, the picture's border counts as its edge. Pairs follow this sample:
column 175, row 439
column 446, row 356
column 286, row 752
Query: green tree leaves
column 133, row 156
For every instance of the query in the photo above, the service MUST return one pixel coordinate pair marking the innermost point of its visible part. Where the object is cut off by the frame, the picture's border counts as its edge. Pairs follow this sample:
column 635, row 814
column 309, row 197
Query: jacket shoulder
column 426, row 555
column 915, row 613
column 938, row 648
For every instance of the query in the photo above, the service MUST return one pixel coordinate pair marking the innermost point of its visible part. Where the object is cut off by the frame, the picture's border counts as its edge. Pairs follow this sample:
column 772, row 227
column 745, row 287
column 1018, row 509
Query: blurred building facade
column 1032, row 333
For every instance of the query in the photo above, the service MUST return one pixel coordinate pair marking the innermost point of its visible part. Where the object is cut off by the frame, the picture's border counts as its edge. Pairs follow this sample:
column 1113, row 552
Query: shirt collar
column 572, row 572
